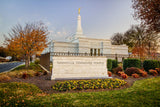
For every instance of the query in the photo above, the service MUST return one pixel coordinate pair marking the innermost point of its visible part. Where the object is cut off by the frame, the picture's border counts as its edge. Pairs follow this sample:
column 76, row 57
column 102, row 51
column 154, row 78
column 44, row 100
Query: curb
column 13, row 68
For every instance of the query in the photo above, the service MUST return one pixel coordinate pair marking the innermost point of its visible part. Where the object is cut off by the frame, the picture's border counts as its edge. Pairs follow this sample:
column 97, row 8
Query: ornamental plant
column 37, row 74
column 131, row 70
column 127, row 63
column 120, row 73
column 150, row 64
column 153, row 72
column 114, row 64
column 109, row 73
column 24, row 75
column 116, row 70
column 158, row 70
column 88, row 84
column 124, row 76
column 109, row 64
column 142, row 73
column 135, row 75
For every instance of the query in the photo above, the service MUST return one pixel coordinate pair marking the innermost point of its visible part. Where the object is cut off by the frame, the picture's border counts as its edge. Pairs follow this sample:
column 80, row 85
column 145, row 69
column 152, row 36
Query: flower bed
column 89, row 84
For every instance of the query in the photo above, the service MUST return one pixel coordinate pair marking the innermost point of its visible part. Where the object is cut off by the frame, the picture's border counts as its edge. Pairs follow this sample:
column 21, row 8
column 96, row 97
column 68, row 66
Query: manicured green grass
column 143, row 93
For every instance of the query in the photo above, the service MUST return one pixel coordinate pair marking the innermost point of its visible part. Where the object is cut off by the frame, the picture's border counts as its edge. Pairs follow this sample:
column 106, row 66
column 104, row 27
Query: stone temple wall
column 65, row 47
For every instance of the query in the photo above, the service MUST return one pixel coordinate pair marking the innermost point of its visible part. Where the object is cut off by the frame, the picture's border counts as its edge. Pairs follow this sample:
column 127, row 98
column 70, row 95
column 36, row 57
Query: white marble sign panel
column 67, row 67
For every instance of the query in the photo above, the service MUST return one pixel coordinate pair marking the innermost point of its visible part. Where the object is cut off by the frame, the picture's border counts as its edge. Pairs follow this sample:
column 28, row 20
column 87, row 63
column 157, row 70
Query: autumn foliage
column 153, row 72
column 135, row 75
column 148, row 11
column 26, row 41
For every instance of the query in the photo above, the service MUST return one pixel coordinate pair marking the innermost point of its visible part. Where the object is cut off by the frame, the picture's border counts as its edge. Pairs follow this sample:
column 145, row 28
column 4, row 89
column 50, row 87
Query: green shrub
column 131, row 63
column 37, row 61
column 88, row 84
column 109, row 64
column 114, row 64
column 150, row 64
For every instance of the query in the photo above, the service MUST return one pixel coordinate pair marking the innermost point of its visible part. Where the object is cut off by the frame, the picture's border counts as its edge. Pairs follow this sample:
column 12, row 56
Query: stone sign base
column 75, row 67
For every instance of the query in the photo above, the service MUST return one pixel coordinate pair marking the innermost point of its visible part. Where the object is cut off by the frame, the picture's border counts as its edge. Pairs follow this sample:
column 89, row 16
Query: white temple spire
column 79, row 27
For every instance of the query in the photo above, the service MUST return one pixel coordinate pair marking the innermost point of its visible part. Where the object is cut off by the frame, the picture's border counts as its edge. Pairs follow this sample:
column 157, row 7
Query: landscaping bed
column 143, row 93
column 46, row 85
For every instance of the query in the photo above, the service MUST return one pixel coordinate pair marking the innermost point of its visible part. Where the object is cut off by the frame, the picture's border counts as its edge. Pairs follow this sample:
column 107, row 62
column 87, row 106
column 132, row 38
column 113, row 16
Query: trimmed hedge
column 114, row 64
column 109, row 64
column 127, row 63
column 150, row 64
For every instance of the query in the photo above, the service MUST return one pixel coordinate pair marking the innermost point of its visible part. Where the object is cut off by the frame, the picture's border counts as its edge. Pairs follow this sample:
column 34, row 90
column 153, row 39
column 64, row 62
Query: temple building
column 79, row 43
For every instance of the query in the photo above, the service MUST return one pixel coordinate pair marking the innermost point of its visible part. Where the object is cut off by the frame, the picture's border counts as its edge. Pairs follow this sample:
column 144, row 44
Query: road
column 8, row 66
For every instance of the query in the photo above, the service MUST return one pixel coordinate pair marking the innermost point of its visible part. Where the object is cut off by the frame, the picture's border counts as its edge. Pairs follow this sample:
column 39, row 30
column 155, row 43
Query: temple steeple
column 79, row 27
column 79, row 32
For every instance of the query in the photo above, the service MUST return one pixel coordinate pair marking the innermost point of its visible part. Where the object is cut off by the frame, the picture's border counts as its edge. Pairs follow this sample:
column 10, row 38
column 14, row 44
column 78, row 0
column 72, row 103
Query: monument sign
column 76, row 67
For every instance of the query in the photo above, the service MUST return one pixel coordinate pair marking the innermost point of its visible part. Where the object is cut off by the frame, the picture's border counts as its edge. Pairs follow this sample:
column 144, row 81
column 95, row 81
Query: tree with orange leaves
column 142, row 43
column 26, row 41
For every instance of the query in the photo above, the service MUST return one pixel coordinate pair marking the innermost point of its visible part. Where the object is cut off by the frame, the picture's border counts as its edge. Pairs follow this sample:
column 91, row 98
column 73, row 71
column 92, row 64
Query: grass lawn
column 143, row 93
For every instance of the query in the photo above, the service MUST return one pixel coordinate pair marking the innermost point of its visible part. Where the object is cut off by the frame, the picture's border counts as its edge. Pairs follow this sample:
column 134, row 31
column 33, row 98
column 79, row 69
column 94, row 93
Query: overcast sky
column 100, row 18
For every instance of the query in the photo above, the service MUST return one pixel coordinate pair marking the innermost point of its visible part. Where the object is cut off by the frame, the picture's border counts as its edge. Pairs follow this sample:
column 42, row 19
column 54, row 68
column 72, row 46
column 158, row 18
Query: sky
column 100, row 18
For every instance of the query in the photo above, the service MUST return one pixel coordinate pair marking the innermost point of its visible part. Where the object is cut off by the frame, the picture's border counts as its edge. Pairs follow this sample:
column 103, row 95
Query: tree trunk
column 27, row 61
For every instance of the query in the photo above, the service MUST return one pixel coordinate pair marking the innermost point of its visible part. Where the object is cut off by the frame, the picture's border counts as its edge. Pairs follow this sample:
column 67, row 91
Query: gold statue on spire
column 79, row 11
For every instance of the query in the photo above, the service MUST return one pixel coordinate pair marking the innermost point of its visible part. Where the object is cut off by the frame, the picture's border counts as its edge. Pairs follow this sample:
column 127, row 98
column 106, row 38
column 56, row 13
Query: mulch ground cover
column 45, row 83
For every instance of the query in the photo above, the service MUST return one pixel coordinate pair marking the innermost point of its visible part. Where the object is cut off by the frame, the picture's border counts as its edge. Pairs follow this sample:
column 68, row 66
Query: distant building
column 79, row 43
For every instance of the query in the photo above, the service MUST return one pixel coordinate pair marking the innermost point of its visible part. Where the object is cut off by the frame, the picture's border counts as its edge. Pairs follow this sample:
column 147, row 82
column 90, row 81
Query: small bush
column 116, row 70
column 124, row 76
column 135, row 75
column 150, row 64
column 120, row 73
column 37, row 74
column 109, row 73
column 45, row 73
column 158, row 70
column 142, row 73
column 131, row 70
column 24, row 75
column 127, row 63
column 37, row 61
column 109, row 64
column 153, row 72
column 114, row 64
column 4, row 78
